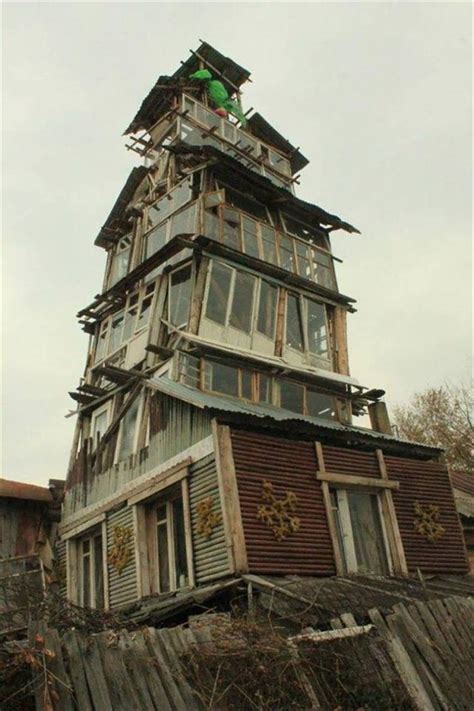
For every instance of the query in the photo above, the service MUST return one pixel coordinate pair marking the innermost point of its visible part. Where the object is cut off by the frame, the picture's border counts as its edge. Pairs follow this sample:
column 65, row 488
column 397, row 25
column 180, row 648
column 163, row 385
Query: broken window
column 180, row 296
column 294, row 324
column 115, row 339
column 360, row 531
column 91, row 570
column 99, row 424
column 145, row 306
column 302, row 257
column 287, row 257
column 169, row 203
column 267, row 309
column 218, row 293
column 323, row 268
column 130, row 317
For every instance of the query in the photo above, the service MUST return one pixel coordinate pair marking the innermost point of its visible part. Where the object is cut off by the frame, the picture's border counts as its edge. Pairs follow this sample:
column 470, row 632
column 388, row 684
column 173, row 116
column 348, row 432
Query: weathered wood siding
column 60, row 565
column 288, row 465
column 122, row 586
column 210, row 554
column 179, row 426
column 9, row 528
column 428, row 483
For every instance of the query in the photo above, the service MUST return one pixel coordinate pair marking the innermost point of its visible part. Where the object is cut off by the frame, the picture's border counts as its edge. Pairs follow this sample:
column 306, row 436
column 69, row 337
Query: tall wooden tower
column 217, row 418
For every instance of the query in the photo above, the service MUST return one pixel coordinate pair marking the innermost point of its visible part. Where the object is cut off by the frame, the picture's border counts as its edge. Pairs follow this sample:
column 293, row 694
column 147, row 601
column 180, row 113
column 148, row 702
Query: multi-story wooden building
column 217, row 418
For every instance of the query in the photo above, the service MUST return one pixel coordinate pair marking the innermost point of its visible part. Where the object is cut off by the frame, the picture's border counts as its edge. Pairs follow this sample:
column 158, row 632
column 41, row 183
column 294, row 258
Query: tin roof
column 205, row 400
column 20, row 490
column 268, row 134
column 464, row 481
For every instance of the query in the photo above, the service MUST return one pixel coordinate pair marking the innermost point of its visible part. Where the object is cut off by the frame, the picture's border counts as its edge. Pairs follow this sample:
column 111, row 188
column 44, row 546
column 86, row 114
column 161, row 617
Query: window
column 120, row 260
column 169, row 203
column 316, row 328
column 294, row 325
column 99, row 424
column 242, row 301
column 145, row 306
column 267, row 306
column 360, row 531
column 291, row 396
column 169, row 557
column 218, row 294
column 320, row 404
column 128, row 431
column 91, row 570
column 179, row 296
column 221, row 378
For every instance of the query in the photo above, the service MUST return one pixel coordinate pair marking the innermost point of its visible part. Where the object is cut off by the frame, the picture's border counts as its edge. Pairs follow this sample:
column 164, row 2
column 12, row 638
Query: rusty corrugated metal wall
column 428, row 483
column 291, row 466
column 288, row 465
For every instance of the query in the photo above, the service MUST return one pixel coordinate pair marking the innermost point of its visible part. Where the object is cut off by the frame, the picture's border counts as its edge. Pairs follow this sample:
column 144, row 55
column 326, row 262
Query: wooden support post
column 340, row 340
column 391, row 522
column 328, row 506
column 231, row 514
column 379, row 419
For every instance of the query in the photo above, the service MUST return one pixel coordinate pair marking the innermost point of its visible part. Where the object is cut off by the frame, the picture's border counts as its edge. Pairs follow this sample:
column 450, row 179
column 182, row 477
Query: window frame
column 106, row 408
column 170, row 487
column 141, row 404
column 74, row 561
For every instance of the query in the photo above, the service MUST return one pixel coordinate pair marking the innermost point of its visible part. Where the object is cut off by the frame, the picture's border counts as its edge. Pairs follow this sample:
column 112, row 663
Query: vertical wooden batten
column 328, row 507
column 231, row 514
column 391, row 522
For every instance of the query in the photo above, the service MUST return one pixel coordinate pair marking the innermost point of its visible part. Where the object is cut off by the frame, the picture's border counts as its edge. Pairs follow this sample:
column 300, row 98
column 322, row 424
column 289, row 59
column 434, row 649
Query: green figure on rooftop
column 219, row 94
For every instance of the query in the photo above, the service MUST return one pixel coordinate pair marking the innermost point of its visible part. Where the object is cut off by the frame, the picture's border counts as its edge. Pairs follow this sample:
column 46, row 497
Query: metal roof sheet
column 204, row 400
column 20, row 490
column 267, row 133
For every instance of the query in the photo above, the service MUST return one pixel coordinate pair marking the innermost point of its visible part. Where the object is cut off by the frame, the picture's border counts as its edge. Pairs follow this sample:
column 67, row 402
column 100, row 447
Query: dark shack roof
column 156, row 103
column 265, row 132
column 262, row 188
column 29, row 492
column 107, row 231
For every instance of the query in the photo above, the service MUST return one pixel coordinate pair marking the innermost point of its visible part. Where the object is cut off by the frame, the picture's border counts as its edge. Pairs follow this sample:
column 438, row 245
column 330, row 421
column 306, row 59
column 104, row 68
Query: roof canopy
column 265, row 132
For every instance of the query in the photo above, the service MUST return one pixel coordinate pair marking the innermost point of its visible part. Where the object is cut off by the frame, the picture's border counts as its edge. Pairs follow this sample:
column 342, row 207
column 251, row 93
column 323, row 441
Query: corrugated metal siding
column 61, row 566
column 122, row 587
column 290, row 466
column 427, row 483
column 182, row 426
column 349, row 461
column 9, row 528
column 210, row 555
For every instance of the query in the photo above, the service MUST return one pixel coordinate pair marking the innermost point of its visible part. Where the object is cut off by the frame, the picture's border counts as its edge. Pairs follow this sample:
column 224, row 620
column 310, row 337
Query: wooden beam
column 229, row 495
column 350, row 480
column 338, row 560
column 391, row 522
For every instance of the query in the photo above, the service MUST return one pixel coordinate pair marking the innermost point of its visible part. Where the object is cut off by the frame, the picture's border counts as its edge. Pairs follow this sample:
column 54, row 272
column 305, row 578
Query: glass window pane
column 242, row 302
column 179, row 544
column 184, row 223
column 130, row 317
column 267, row 309
column 246, row 384
column 231, row 228
column 291, row 396
column 212, row 224
column 99, row 425
column 317, row 328
column 323, row 269
column 302, row 252
column 116, row 331
column 250, row 237
column 128, row 426
column 180, row 294
column 98, row 573
column 265, row 391
column 320, row 404
column 86, row 575
column 218, row 294
column 367, row 533
column 155, row 240
column 268, row 236
column 223, row 379
column 287, row 259
column 163, row 557
column 294, row 331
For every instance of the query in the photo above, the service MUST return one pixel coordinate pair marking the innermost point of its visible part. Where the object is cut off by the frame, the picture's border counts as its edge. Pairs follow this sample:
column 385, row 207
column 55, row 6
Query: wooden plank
column 350, row 480
column 398, row 629
column 174, row 649
column 59, row 680
column 340, row 339
column 338, row 560
column 188, row 531
column 150, row 673
column 391, row 522
column 94, row 673
column 348, row 619
column 229, row 494
column 167, row 679
column 198, row 295
column 116, row 674
column 77, row 672
column 154, row 486
column 403, row 664
column 136, row 670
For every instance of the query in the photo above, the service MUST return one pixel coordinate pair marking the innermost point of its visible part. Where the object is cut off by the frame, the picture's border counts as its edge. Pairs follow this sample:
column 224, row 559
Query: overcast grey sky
column 377, row 95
